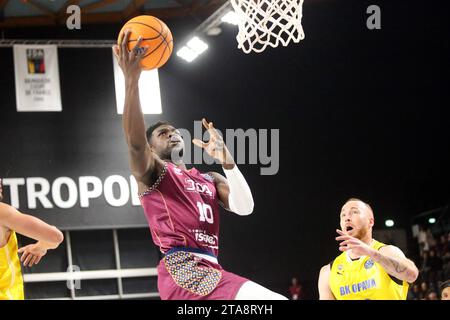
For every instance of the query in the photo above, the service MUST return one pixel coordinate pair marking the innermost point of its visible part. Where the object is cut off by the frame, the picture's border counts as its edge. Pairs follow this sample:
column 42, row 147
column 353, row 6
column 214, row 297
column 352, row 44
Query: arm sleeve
column 240, row 199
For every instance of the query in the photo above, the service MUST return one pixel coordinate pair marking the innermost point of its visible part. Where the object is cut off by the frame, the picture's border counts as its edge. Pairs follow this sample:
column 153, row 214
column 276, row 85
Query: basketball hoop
column 265, row 23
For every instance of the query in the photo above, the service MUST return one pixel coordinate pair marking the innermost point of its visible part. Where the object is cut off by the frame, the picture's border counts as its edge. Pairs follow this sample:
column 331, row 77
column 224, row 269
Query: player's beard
column 174, row 154
column 362, row 233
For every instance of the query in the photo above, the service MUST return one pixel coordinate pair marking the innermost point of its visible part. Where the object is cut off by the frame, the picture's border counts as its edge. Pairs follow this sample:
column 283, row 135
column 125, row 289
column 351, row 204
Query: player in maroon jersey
column 181, row 205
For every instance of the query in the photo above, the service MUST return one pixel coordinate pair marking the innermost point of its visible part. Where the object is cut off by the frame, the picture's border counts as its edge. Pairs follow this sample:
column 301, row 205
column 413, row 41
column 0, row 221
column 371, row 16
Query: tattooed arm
column 390, row 258
column 396, row 264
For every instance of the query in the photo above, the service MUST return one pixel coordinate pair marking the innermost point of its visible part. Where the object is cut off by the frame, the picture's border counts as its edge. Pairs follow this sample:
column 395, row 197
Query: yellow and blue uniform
column 364, row 279
column 11, row 281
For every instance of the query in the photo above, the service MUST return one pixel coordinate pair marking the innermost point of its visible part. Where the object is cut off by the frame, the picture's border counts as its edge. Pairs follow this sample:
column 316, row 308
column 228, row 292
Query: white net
column 265, row 23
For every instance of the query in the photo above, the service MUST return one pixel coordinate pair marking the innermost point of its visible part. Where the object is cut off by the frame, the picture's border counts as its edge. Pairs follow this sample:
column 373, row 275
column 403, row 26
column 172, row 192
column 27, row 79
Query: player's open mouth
column 348, row 228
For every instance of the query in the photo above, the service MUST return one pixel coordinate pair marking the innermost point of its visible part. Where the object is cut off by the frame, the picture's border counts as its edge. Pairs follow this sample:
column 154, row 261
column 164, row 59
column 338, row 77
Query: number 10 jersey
column 182, row 210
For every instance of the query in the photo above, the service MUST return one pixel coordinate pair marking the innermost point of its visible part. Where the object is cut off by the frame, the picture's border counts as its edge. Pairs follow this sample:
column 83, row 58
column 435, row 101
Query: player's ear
column 371, row 222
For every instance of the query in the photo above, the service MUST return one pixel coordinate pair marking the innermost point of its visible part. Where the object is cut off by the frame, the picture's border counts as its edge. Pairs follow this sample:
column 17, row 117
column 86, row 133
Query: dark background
column 362, row 113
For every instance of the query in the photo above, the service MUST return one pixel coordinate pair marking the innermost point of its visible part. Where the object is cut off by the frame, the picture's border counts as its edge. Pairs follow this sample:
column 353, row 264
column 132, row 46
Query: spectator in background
column 442, row 246
column 422, row 239
column 446, row 259
column 435, row 264
column 444, row 254
column 431, row 241
column 445, row 290
column 414, row 293
column 423, row 290
column 446, row 265
column 424, row 266
column 295, row 290
column 432, row 296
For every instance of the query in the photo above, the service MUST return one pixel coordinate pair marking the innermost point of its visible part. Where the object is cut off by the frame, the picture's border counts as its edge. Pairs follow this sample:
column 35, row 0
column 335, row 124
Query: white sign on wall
column 67, row 193
column 37, row 78
column 149, row 91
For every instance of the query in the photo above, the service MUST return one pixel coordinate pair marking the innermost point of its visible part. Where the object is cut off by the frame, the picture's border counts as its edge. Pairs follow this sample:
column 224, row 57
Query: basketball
column 156, row 35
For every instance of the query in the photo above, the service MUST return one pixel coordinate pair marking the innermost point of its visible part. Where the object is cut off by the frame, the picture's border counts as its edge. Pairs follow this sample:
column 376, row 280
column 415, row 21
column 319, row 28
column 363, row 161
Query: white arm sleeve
column 240, row 199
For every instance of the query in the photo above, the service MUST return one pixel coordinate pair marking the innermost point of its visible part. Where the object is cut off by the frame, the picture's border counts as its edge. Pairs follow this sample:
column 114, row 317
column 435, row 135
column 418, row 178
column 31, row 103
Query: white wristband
column 240, row 199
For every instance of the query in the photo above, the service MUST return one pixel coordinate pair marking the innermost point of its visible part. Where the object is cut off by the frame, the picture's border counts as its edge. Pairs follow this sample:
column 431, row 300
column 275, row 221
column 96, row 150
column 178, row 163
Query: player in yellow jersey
column 12, row 221
column 366, row 269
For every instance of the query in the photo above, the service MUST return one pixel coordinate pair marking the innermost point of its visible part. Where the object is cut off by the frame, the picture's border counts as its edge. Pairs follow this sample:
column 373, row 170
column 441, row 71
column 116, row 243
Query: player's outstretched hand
column 129, row 61
column 215, row 147
column 32, row 254
column 351, row 243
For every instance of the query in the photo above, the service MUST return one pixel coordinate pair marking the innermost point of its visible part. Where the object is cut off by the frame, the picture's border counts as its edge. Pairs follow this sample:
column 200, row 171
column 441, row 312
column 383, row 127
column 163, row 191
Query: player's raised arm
column 29, row 226
column 391, row 258
column 142, row 160
column 233, row 191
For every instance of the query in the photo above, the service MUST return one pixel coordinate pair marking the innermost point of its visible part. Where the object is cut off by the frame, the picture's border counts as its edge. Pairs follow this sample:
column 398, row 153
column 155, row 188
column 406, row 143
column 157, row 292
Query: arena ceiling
column 29, row 13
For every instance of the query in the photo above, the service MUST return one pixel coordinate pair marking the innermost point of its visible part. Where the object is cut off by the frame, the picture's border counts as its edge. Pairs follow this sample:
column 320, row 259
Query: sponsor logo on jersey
column 193, row 186
column 340, row 269
column 369, row 264
column 358, row 287
column 203, row 237
column 208, row 177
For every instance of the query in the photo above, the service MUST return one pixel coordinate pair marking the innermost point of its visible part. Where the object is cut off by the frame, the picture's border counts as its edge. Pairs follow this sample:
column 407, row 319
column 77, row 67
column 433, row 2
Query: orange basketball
column 156, row 35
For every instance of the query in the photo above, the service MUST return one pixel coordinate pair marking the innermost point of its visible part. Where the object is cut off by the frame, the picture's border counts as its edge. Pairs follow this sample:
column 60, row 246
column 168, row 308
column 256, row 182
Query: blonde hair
column 368, row 205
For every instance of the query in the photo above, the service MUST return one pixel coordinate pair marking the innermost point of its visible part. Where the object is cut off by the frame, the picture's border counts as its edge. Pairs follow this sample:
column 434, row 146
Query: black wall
column 361, row 113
